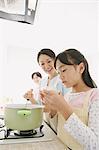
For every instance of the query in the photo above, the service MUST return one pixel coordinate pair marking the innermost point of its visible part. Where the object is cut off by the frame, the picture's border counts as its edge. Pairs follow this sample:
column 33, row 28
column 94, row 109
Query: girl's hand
column 52, row 113
column 55, row 101
column 51, row 99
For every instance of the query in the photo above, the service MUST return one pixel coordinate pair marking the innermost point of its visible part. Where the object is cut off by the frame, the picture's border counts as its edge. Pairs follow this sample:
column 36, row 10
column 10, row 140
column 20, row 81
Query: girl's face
column 71, row 75
column 47, row 64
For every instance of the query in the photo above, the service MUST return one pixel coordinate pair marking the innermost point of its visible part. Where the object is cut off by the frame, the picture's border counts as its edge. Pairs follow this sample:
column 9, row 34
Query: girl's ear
column 81, row 67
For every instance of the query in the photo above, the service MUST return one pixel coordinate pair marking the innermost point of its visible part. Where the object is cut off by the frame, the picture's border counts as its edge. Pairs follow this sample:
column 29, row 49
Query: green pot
column 23, row 117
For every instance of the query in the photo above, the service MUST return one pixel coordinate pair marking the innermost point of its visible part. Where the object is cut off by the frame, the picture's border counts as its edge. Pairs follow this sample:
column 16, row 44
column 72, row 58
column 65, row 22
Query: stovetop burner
column 25, row 133
column 14, row 134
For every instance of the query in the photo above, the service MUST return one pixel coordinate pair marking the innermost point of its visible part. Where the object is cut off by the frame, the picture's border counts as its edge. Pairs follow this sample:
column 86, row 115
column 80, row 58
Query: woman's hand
column 29, row 96
column 55, row 101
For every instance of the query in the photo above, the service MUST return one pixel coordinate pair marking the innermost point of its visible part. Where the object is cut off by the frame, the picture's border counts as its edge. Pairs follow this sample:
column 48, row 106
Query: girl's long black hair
column 74, row 57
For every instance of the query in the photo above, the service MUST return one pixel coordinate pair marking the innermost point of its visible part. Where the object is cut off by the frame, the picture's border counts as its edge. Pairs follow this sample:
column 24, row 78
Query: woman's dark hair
column 74, row 57
column 37, row 73
column 47, row 52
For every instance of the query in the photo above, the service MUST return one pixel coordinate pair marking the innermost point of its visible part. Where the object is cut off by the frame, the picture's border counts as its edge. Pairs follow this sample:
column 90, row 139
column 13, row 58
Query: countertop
column 50, row 145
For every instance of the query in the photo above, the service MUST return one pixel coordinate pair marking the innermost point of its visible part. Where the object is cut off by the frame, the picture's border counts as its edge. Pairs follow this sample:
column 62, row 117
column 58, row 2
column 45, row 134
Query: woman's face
column 71, row 75
column 36, row 79
column 47, row 64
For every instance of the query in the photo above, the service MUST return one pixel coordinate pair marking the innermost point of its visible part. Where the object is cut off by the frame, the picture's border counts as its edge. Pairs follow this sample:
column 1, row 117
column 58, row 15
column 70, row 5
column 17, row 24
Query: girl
column 78, row 111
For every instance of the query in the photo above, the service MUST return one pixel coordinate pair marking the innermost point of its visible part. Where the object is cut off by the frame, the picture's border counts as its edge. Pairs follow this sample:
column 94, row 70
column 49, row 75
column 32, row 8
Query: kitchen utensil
column 19, row 117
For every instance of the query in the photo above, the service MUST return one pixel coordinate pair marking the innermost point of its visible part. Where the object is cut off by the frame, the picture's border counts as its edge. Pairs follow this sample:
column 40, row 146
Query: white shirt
column 88, row 136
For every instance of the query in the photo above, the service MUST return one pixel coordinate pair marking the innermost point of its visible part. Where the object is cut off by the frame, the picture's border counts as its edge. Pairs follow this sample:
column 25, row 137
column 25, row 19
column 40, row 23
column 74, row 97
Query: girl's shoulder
column 94, row 94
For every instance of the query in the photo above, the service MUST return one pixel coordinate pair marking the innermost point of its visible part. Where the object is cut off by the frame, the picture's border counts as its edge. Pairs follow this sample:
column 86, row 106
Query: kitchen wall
column 59, row 24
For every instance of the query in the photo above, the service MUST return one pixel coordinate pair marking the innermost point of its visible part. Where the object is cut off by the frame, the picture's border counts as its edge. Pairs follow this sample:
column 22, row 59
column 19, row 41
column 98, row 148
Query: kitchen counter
column 49, row 141
column 50, row 145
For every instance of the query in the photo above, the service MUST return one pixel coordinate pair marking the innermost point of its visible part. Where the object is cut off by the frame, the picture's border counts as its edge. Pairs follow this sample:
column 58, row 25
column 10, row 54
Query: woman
column 78, row 120
column 36, row 77
column 46, row 59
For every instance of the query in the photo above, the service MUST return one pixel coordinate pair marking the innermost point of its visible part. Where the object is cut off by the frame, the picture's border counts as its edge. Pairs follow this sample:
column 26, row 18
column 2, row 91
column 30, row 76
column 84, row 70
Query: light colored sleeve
column 88, row 136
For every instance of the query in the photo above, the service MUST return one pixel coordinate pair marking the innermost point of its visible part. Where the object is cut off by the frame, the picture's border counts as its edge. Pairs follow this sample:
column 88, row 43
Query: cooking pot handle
column 24, row 112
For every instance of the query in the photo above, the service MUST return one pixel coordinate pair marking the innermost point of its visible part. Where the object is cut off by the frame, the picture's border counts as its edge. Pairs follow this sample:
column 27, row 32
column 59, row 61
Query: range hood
column 18, row 10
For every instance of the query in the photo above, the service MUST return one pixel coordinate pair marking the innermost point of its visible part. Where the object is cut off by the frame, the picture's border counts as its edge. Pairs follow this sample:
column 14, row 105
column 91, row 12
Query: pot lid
column 24, row 106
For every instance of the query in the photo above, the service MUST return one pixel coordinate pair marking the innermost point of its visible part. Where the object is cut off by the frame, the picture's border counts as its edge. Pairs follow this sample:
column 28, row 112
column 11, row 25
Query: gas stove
column 7, row 136
column 14, row 134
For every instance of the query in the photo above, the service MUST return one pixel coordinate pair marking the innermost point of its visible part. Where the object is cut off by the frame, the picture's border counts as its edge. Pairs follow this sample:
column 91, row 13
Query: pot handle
column 24, row 112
